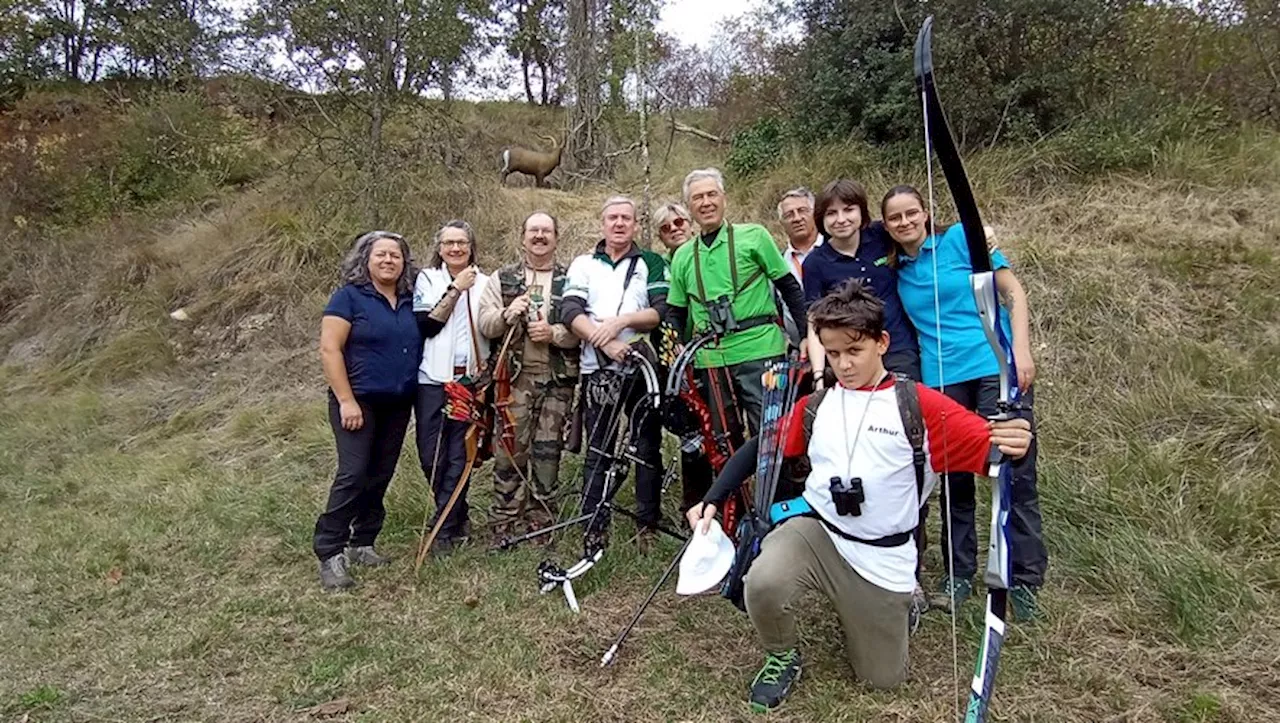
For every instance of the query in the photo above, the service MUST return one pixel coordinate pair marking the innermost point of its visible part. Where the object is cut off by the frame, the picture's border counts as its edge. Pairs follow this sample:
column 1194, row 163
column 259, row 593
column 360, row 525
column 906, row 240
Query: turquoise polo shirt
column 966, row 355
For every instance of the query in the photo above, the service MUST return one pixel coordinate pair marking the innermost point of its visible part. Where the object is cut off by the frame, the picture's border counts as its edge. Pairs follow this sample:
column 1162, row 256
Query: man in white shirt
column 795, row 211
column 612, row 298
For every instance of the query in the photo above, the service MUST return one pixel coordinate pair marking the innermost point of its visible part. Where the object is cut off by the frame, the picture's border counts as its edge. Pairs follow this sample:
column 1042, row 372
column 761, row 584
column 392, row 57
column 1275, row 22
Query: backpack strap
column 912, row 424
column 811, row 404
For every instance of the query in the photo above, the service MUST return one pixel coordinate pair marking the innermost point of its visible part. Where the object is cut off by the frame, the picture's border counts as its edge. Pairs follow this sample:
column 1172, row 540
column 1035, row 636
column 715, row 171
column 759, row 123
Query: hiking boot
column 919, row 606
column 1023, row 599
column 499, row 533
column 646, row 539
column 444, row 546
column 333, row 573
column 774, row 681
column 952, row 589
column 365, row 555
column 595, row 539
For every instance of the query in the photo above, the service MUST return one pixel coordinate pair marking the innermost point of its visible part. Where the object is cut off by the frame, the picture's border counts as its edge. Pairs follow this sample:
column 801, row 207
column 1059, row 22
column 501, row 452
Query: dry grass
column 159, row 480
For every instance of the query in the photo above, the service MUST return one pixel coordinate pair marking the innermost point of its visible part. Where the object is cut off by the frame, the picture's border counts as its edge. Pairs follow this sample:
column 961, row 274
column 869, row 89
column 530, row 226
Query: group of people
column 873, row 306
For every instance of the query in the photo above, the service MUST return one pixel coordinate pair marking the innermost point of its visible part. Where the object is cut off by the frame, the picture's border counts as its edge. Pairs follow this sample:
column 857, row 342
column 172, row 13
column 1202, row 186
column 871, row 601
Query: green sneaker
column 952, row 591
column 774, row 681
column 1025, row 607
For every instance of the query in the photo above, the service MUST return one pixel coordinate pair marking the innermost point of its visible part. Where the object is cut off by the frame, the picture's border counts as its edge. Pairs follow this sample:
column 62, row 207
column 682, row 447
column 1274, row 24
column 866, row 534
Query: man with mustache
column 542, row 360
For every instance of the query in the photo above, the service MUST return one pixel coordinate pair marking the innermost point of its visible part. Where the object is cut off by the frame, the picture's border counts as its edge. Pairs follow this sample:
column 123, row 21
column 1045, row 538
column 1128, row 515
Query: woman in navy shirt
column 959, row 362
column 369, row 347
column 857, row 249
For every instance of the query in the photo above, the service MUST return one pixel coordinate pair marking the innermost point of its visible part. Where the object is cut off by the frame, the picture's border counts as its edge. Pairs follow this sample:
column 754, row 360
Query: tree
column 23, row 33
column 380, row 46
column 535, row 30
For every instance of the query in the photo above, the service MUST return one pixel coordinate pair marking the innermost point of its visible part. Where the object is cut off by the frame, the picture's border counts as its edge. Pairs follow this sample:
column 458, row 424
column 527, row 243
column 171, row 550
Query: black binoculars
column 848, row 498
column 720, row 315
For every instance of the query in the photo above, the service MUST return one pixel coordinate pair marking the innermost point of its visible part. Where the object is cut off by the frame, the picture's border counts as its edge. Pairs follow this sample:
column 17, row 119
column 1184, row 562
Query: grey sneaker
column 919, row 606
column 952, row 590
column 365, row 555
column 333, row 573
column 1023, row 599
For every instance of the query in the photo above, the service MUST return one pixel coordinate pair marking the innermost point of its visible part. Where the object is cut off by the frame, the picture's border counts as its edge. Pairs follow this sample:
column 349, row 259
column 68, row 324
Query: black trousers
column 367, row 460
column 442, row 449
column 1029, row 556
column 601, row 437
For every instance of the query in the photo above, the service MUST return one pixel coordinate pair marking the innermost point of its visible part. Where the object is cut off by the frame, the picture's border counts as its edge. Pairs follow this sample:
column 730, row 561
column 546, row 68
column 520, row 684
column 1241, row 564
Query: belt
column 460, row 371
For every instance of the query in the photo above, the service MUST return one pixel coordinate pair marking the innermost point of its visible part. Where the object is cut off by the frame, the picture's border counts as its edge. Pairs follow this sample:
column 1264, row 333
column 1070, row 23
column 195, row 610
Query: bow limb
column 502, row 399
column 472, row 445
column 982, row 281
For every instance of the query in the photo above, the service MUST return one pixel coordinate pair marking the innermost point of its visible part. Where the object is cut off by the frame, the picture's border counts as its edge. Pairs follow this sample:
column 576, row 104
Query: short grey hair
column 798, row 192
column 702, row 174
column 672, row 208
column 436, row 260
column 618, row 201
column 355, row 266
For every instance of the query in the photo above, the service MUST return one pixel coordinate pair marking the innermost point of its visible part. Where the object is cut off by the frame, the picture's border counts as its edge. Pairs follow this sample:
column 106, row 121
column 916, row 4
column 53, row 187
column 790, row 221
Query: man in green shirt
column 723, row 282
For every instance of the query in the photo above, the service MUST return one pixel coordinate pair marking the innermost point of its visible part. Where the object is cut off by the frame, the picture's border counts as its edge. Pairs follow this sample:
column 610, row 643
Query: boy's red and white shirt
column 956, row 440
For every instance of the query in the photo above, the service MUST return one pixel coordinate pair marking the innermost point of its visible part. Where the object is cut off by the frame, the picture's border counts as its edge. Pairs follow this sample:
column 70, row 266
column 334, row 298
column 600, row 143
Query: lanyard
column 844, row 417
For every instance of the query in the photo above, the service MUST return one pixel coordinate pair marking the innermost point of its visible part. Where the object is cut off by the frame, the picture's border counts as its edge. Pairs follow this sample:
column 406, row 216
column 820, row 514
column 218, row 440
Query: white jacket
column 438, row 351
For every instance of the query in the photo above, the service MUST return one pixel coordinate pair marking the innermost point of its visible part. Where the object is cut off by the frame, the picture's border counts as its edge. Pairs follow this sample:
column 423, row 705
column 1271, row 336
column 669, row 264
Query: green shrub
column 756, row 148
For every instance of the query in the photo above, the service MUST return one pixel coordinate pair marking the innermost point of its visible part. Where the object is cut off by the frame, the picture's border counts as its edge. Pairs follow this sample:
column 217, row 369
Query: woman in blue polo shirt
column 857, row 249
column 957, row 359
column 369, row 348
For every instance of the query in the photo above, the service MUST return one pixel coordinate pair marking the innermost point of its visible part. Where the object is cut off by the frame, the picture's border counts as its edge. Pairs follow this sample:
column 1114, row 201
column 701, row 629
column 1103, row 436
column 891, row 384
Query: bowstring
column 931, row 231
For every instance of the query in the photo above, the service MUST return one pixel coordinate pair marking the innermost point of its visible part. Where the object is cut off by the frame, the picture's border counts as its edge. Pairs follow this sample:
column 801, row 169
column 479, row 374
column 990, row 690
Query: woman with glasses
column 446, row 301
column 369, row 349
column 674, row 226
column 933, row 284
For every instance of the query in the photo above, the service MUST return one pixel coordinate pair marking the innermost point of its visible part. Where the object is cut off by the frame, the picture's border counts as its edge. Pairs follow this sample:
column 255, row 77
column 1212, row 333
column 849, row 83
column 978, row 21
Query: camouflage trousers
column 538, row 409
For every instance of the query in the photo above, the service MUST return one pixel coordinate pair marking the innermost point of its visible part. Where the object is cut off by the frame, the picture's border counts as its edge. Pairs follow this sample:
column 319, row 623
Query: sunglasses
column 675, row 223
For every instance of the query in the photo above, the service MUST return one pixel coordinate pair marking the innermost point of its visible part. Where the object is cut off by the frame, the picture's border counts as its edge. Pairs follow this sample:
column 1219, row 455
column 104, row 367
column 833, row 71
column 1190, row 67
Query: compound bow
column 550, row 575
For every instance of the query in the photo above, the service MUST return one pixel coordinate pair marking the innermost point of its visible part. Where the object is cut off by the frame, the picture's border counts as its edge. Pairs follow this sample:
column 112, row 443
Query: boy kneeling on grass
column 853, row 540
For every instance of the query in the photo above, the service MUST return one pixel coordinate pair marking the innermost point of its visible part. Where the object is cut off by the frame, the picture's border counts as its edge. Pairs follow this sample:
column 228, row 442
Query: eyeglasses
column 455, row 243
column 672, row 225
column 908, row 216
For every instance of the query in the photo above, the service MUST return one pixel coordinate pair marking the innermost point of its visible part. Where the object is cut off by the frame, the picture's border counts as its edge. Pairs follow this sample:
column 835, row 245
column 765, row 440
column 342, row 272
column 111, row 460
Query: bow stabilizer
column 986, row 295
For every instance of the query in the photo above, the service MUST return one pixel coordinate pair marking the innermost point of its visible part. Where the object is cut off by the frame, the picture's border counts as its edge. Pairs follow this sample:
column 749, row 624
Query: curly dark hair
column 355, row 267
column 851, row 308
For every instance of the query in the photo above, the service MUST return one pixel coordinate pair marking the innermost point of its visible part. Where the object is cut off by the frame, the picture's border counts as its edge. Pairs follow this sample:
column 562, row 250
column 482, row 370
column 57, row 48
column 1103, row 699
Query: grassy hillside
column 159, row 479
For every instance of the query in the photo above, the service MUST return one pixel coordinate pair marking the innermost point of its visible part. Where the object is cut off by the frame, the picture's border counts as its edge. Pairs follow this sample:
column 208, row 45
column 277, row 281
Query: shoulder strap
column 733, row 264
column 475, row 338
column 811, row 405
column 631, row 270
column 912, row 424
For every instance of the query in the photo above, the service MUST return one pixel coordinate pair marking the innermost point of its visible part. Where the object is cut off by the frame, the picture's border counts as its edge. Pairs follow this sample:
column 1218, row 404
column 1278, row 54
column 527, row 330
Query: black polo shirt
column 384, row 347
column 825, row 268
